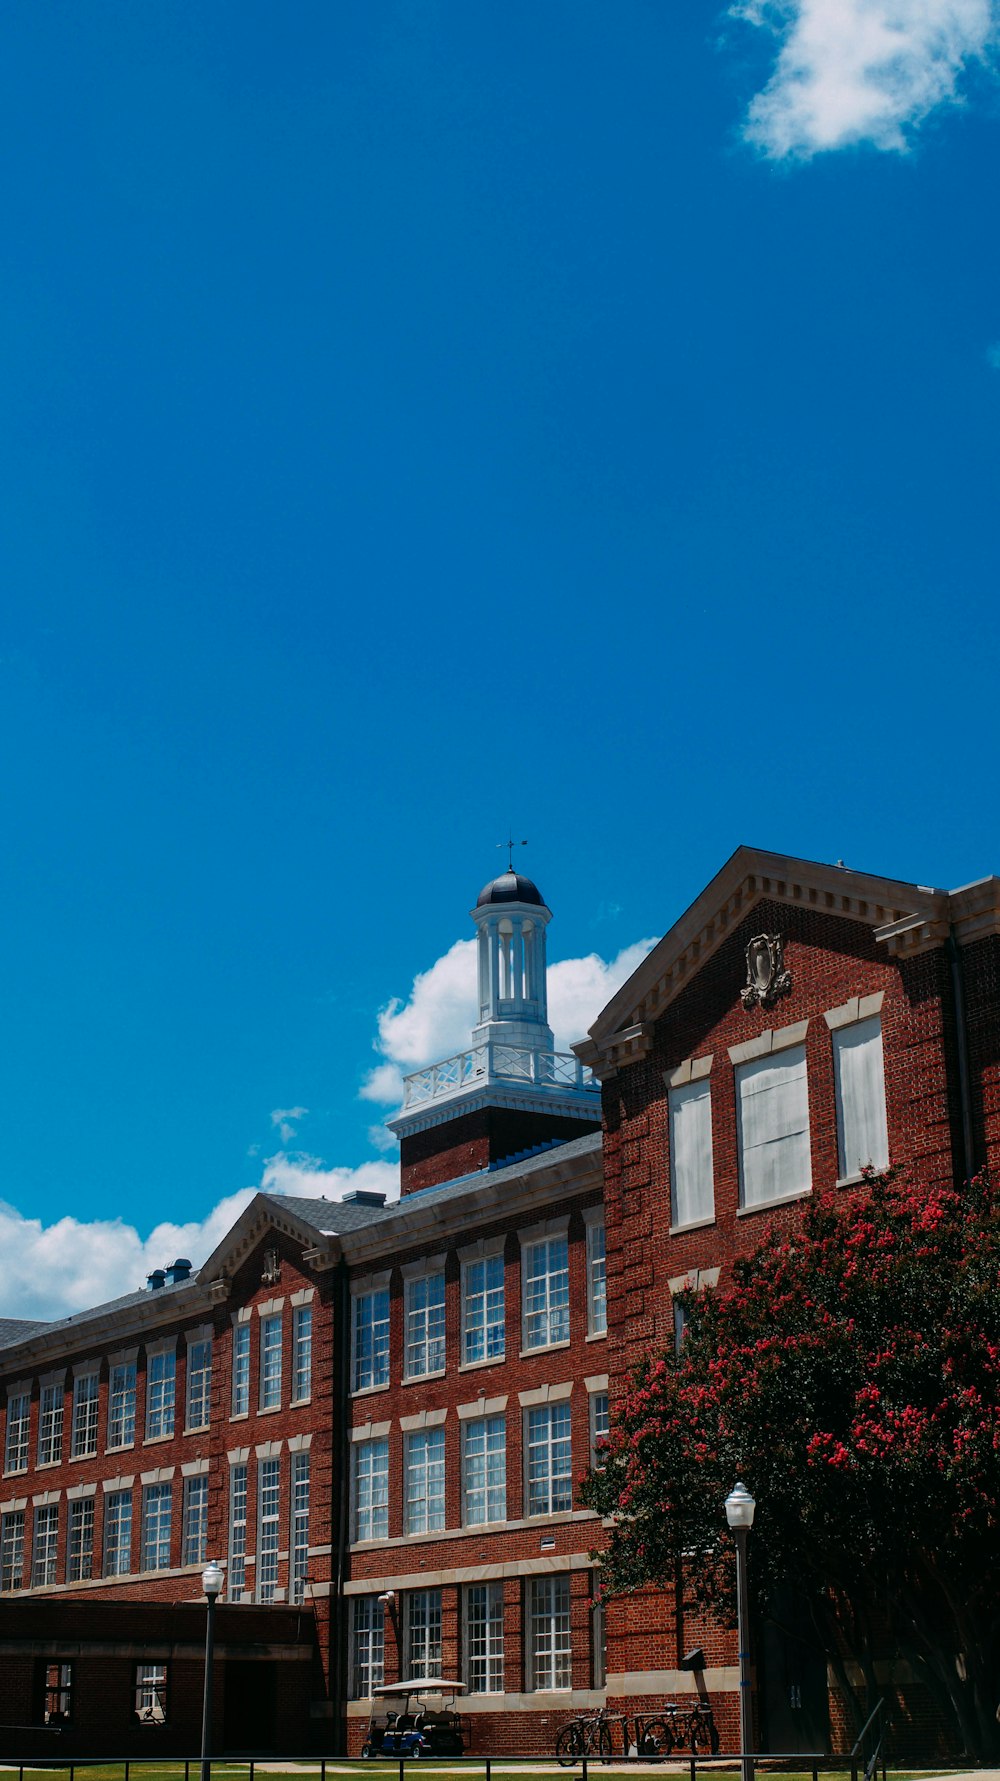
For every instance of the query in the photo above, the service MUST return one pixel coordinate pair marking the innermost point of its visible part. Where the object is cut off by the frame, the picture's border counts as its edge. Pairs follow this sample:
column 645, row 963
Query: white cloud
column 861, row 71
column 440, row 1012
column 287, row 1119
column 50, row 1271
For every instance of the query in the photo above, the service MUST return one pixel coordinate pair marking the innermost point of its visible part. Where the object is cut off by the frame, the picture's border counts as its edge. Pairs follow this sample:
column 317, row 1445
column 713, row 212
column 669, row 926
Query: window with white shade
column 859, row 1072
column 692, row 1188
column 772, row 1115
column 484, row 1638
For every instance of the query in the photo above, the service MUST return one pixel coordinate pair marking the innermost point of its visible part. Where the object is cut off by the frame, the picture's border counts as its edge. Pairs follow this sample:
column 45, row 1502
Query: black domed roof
column 510, row 887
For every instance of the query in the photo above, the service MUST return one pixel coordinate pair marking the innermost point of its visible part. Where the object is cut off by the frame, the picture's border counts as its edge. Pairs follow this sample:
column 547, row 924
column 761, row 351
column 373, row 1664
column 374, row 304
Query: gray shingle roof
column 18, row 1329
column 13, row 1330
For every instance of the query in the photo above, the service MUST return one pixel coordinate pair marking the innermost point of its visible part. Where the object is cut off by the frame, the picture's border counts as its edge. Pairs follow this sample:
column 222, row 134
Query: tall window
column 597, row 1284
column 549, row 1630
column 424, row 1325
column 270, row 1361
column 45, row 1545
column 199, row 1383
column 57, row 1693
column 12, row 1549
column 772, row 1109
column 423, row 1632
column 549, row 1457
column 268, row 1528
column 156, row 1507
column 484, row 1638
column 425, row 1481
column 600, row 1424
column 302, row 1337
column 299, row 1561
column 121, row 1404
column 367, row 1646
column 483, row 1309
column 370, row 1361
column 371, row 1490
column 692, row 1184
column 859, row 1070
column 50, row 1424
column 80, row 1553
column 85, row 1410
column 151, row 1693
column 485, row 1470
column 15, row 1453
column 546, row 1292
column 194, row 1548
column 161, row 1369
column 241, row 1369
column 237, row 1572
column 118, row 1533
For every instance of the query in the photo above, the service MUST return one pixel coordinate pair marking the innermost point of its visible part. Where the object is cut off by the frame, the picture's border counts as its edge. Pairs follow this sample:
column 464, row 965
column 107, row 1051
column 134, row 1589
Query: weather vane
column 510, row 845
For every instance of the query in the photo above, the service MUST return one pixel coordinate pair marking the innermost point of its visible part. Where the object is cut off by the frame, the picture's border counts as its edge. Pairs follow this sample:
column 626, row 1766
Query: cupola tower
column 511, row 1091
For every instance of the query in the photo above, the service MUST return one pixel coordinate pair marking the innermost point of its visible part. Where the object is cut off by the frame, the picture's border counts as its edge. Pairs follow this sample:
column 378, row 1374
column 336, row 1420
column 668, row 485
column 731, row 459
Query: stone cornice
column 564, row 1103
column 96, row 1331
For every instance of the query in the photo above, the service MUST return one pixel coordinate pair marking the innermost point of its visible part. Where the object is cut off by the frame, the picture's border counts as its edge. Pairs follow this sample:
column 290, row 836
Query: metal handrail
column 870, row 1767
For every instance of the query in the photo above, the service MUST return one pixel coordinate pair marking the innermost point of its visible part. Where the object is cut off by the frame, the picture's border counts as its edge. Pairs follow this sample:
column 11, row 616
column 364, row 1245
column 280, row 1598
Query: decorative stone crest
column 767, row 978
column 271, row 1271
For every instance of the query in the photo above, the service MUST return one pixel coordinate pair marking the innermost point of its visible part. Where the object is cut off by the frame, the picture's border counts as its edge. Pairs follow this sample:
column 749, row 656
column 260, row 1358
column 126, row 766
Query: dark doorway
column 251, row 1692
column 794, row 1699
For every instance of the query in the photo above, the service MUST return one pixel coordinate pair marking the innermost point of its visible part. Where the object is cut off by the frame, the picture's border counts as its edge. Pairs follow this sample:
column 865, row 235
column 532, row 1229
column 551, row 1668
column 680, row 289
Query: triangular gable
column 906, row 916
column 265, row 1212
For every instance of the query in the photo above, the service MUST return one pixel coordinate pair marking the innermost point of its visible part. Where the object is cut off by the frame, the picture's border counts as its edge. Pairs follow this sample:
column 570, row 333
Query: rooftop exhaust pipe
column 155, row 1280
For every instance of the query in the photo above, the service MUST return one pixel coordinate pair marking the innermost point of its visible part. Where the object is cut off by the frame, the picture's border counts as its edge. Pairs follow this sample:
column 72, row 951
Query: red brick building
column 373, row 1415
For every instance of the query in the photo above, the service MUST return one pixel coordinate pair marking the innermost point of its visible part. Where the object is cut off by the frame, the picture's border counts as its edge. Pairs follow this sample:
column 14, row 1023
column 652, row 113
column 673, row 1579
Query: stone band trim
column 858, row 1008
column 693, row 1069
column 773, row 1040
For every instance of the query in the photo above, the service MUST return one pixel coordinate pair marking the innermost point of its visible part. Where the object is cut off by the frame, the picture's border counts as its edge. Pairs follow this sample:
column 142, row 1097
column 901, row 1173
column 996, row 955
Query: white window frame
column 597, row 1272
column 121, row 1404
column 550, row 1633
column 44, row 1545
column 161, row 1392
column 11, row 1550
column 80, row 1540
column 423, row 1632
column 17, row 1439
column 268, row 1528
column 370, row 1489
column 86, row 1413
column 157, row 1526
column 51, row 1412
column 194, row 1531
column 151, row 1692
column 302, row 1342
column 242, row 1343
column 370, row 1314
column 483, row 1641
column 545, row 1296
column 489, row 1464
column 548, row 1458
column 198, row 1409
column 424, row 1481
column 484, row 1337
column 239, row 1490
column 271, row 1343
column 692, row 1182
column 778, row 1061
column 424, row 1336
column 367, row 1646
column 117, row 1534
column 599, row 1415
column 298, row 1545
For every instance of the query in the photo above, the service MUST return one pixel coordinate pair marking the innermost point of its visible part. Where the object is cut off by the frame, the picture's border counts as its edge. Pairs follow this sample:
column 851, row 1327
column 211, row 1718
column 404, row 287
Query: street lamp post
column 739, row 1514
column 211, row 1582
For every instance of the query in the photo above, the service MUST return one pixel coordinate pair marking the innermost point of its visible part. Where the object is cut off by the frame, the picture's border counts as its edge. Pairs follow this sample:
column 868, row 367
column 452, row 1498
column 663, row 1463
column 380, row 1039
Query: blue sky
column 424, row 418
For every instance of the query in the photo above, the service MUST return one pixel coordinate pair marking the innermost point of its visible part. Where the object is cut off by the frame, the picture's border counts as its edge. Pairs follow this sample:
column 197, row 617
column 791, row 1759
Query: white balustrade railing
column 493, row 1062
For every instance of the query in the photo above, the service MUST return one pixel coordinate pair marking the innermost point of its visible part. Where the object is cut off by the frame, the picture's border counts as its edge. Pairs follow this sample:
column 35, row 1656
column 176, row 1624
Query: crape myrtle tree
column 850, row 1375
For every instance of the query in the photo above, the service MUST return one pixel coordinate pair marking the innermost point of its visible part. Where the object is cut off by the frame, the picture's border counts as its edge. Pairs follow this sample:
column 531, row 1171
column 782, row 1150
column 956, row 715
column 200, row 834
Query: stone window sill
column 422, row 1378
column 543, row 1348
column 694, row 1224
column 489, row 1360
column 803, row 1193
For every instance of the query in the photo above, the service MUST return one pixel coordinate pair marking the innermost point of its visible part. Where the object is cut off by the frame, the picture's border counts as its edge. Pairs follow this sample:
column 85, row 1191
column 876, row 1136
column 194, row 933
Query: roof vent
column 363, row 1196
column 178, row 1271
column 155, row 1280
